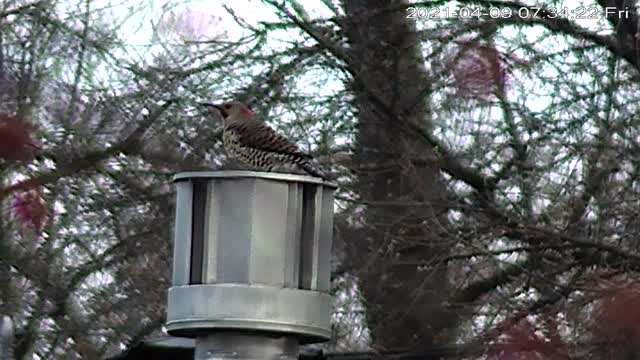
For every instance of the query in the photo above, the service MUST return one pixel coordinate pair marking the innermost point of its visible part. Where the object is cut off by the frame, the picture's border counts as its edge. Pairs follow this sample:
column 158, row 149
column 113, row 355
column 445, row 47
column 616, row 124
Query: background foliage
column 488, row 166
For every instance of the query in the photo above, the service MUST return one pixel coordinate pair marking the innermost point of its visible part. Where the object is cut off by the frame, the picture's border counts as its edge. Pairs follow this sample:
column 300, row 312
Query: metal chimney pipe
column 251, row 263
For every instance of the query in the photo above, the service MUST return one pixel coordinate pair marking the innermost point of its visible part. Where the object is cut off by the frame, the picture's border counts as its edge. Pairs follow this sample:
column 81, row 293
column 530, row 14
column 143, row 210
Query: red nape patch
column 15, row 138
column 247, row 112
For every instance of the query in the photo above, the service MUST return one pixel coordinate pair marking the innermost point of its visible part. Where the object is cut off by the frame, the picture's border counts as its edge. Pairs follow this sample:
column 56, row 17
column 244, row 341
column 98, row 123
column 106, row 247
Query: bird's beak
column 210, row 105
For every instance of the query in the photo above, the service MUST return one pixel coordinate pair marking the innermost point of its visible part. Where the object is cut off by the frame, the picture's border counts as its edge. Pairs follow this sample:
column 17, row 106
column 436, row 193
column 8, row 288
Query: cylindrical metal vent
column 246, row 347
column 252, row 253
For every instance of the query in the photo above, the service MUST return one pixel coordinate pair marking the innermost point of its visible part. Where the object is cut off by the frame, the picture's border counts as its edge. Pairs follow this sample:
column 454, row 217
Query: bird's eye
column 227, row 106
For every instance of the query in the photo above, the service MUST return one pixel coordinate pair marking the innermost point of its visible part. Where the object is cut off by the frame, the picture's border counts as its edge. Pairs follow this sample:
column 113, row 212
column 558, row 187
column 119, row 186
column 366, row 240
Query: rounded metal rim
column 252, row 174
column 195, row 327
column 194, row 309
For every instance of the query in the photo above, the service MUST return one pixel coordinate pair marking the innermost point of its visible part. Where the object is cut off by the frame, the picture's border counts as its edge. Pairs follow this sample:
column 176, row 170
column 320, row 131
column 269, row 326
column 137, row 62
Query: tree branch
column 129, row 145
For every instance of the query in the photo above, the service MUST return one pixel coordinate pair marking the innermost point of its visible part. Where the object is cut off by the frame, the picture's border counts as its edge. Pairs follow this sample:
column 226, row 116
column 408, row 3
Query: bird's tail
column 313, row 170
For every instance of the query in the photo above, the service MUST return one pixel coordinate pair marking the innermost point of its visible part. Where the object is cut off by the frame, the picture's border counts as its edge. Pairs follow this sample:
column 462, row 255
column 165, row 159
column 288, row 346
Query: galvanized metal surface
column 253, row 230
column 182, row 235
column 252, row 174
column 7, row 338
column 236, row 346
column 317, row 229
column 252, row 252
column 192, row 309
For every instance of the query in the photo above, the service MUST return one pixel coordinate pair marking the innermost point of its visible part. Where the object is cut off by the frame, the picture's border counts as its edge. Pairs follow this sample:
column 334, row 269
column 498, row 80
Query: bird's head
column 231, row 108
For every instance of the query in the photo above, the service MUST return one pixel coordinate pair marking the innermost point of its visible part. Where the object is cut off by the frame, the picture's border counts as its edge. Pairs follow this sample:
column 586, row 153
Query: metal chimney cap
column 252, row 174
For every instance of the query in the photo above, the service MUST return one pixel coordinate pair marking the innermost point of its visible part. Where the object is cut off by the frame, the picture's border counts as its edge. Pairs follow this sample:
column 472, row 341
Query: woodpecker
column 255, row 143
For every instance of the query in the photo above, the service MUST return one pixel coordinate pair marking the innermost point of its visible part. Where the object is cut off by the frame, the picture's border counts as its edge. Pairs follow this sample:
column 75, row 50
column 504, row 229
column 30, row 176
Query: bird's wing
column 258, row 135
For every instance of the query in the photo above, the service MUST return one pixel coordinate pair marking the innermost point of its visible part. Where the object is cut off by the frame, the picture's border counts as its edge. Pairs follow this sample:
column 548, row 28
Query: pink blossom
column 29, row 208
column 617, row 315
column 15, row 138
column 479, row 70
